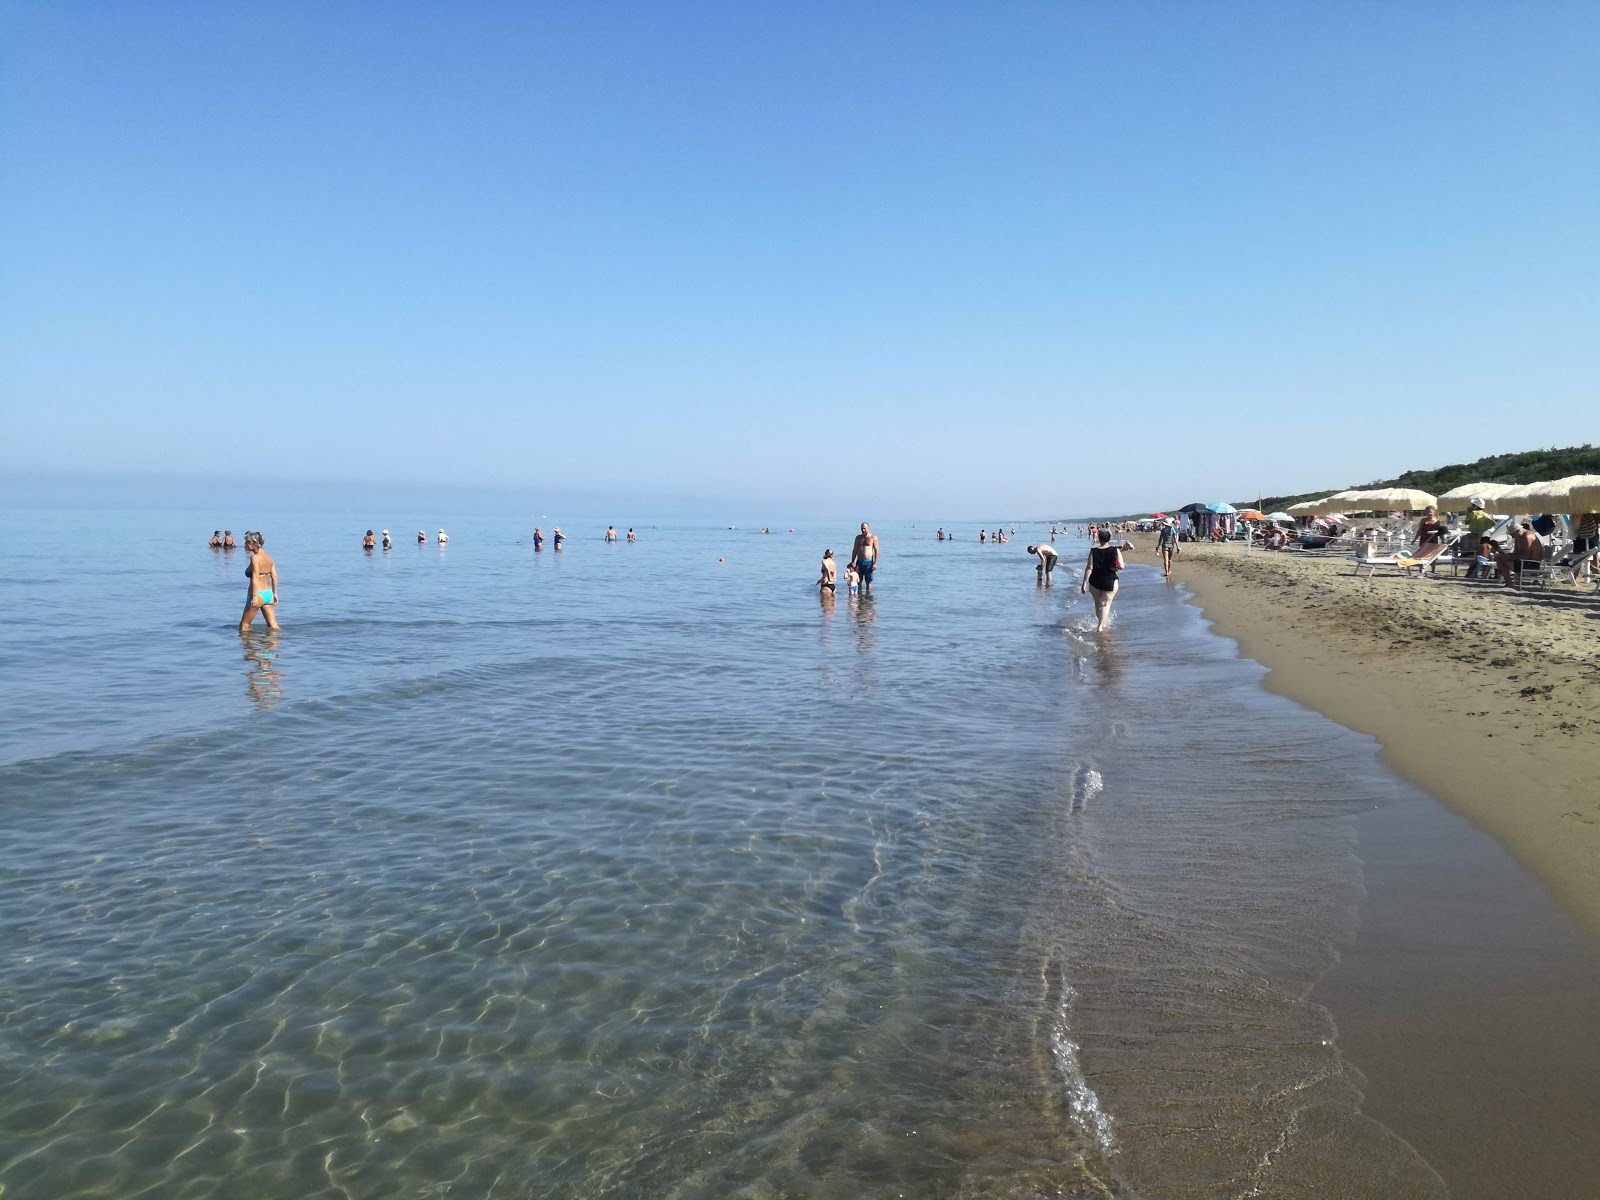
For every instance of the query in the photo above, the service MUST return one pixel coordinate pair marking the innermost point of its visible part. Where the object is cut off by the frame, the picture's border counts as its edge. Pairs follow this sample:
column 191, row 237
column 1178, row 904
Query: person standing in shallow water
column 1047, row 561
column 369, row 542
column 865, row 555
column 829, row 583
column 538, row 539
column 1100, row 577
column 1167, row 543
column 262, row 591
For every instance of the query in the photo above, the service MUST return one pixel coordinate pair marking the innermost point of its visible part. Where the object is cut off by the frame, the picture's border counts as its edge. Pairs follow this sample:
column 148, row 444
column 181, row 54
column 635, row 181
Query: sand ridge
column 1487, row 697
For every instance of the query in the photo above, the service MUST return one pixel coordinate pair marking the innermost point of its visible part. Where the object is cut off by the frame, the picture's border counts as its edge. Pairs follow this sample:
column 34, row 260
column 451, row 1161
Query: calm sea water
column 637, row 871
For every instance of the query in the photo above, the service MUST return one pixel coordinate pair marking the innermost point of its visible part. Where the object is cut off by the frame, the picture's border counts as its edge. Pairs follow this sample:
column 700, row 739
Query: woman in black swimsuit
column 1100, row 577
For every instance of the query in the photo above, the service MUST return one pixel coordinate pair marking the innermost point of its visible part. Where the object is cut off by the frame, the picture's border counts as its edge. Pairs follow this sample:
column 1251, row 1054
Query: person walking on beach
column 1047, row 561
column 1100, row 577
column 1167, row 543
column 829, row 581
column 261, row 594
column 865, row 555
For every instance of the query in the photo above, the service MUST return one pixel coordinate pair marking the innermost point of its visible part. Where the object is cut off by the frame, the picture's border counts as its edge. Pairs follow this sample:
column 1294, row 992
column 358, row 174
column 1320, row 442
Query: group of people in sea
column 865, row 553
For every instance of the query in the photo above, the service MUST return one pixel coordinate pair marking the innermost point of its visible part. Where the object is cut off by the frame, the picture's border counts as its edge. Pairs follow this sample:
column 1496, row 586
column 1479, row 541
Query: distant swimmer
column 422, row 537
column 1167, row 543
column 1047, row 561
column 261, row 593
column 866, row 554
column 444, row 538
column 387, row 544
column 830, row 573
column 227, row 539
column 611, row 533
column 632, row 536
column 559, row 536
column 369, row 542
column 1100, row 577
column 538, row 539
column 216, row 540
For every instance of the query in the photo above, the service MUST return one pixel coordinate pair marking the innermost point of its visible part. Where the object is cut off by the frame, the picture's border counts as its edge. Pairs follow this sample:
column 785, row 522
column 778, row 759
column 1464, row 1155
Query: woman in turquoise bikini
column 263, row 587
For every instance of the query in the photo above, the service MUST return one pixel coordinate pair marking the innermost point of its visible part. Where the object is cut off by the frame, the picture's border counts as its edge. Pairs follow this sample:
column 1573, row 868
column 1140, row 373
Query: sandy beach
column 1488, row 698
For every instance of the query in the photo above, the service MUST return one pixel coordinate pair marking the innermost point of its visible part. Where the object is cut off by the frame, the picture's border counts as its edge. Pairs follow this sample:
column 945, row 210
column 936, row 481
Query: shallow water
column 632, row 872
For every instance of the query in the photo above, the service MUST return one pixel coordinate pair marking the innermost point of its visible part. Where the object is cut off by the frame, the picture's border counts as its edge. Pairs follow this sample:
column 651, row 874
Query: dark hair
column 1105, row 536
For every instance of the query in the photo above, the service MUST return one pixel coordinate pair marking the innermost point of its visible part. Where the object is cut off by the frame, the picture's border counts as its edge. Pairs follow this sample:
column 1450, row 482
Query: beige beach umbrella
column 1395, row 499
column 1515, row 500
column 1459, row 499
column 1584, row 497
column 1305, row 508
column 1337, row 503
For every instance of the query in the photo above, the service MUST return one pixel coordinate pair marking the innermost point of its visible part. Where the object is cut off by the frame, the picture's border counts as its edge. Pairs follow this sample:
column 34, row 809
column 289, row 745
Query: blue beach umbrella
column 1221, row 506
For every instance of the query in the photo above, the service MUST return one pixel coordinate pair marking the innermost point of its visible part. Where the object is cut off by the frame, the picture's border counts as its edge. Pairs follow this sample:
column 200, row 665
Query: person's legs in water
column 1102, row 604
column 865, row 567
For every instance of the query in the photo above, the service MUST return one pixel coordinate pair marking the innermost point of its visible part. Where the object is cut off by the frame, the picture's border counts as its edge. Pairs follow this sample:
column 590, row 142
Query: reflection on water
column 264, row 682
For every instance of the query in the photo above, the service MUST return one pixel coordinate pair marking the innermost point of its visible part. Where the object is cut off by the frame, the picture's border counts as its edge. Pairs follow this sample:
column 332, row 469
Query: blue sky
column 913, row 259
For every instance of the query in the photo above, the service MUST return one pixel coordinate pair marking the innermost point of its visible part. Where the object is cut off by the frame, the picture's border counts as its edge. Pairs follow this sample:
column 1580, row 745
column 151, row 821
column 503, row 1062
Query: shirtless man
column 865, row 555
column 1047, row 561
column 828, row 584
column 1525, row 547
column 262, row 593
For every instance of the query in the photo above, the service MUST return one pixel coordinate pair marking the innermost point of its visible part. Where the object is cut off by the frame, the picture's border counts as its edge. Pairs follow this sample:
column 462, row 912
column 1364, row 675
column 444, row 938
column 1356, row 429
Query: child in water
column 853, row 578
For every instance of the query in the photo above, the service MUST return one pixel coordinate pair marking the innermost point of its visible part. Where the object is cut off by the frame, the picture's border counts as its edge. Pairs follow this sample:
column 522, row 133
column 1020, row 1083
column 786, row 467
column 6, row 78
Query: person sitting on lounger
column 1525, row 548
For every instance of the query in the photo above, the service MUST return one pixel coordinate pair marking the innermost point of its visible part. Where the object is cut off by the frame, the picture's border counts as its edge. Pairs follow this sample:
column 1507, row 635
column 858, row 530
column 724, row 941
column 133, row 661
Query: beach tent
column 1393, row 499
column 1459, row 499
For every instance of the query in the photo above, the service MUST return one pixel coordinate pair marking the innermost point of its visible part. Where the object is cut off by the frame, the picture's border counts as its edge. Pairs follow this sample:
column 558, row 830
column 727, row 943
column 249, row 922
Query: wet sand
column 1488, row 698
column 1468, row 999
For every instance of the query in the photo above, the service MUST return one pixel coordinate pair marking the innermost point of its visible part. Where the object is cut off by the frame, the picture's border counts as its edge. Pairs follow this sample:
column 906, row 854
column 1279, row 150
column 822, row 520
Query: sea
column 642, row 870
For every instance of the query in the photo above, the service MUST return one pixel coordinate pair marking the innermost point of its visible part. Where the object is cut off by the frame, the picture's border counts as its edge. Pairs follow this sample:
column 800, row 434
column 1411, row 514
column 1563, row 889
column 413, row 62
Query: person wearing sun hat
column 1479, row 522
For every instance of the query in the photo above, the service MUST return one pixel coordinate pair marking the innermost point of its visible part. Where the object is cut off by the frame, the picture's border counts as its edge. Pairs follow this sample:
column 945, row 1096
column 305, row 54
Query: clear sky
column 908, row 259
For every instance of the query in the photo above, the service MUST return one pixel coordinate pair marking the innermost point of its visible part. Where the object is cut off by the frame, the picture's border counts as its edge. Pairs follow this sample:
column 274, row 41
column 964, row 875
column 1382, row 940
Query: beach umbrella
column 1306, row 508
column 1158, row 516
column 1584, row 497
column 1564, row 494
column 1221, row 506
column 1337, row 503
column 1459, row 499
column 1398, row 499
column 1280, row 516
column 1196, row 507
column 1252, row 514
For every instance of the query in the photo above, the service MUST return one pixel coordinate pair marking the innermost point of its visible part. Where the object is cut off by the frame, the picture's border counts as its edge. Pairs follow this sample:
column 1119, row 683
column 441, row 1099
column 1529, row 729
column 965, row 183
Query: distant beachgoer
column 1047, row 561
column 1430, row 530
column 559, row 536
column 1100, row 577
column 852, row 578
column 422, row 538
column 538, row 538
column 983, row 535
column 1525, row 548
column 444, row 538
column 1167, row 543
column 940, row 534
column 216, row 540
column 261, row 593
column 865, row 554
column 611, row 533
column 369, row 542
column 227, row 539
column 387, row 544
column 633, row 537
column 829, row 573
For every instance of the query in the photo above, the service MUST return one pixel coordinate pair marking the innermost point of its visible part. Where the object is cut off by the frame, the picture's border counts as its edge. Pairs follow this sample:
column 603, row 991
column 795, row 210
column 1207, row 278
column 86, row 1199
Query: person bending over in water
column 1047, row 561
column 865, row 555
column 830, row 573
column 368, row 542
column 262, row 593
column 1100, row 577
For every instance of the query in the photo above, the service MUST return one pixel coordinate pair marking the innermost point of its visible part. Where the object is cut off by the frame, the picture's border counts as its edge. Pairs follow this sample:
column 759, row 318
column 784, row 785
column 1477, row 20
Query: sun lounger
column 1404, row 562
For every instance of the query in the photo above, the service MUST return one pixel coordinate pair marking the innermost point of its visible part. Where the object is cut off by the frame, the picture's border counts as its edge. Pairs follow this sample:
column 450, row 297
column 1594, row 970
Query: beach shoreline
column 1487, row 698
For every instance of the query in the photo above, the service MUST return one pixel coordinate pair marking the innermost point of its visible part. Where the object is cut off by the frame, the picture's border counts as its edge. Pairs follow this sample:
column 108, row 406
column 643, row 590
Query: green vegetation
column 1530, row 466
